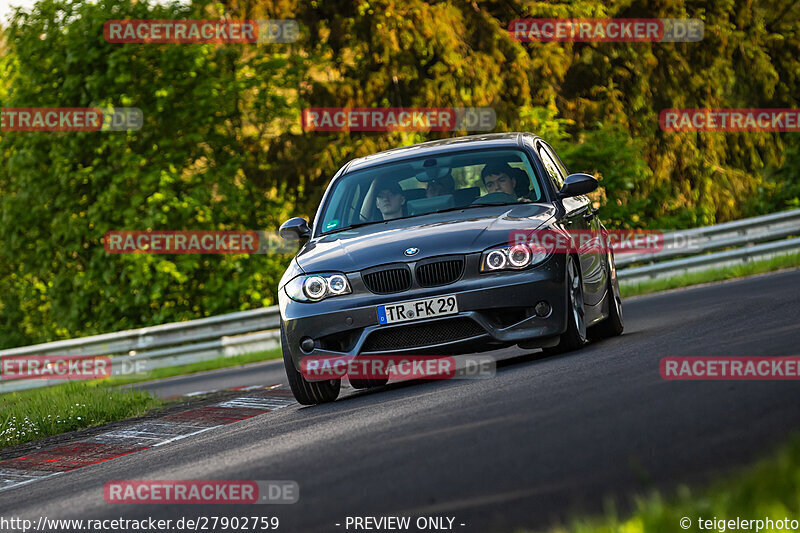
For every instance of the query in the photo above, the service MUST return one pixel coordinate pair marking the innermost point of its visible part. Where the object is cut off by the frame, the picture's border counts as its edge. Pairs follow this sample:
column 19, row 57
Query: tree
column 222, row 146
column 184, row 170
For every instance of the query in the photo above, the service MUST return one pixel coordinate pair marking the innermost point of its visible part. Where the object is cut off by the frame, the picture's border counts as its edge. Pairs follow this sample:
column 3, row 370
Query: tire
column 575, row 336
column 368, row 383
column 614, row 324
column 307, row 392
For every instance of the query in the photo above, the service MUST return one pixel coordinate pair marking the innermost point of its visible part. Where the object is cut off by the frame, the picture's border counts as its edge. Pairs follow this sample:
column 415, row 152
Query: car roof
column 453, row 144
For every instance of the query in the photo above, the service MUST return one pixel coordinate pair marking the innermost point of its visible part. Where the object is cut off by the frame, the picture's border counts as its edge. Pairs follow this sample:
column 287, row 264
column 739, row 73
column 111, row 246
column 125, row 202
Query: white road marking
column 151, row 433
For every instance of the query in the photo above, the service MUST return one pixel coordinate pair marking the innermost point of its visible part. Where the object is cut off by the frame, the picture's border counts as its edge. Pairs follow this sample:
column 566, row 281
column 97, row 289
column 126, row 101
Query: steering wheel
column 495, row 197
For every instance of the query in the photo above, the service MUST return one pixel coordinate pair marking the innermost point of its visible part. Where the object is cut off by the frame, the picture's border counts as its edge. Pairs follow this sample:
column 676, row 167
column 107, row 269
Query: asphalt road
column 264, row 373
column 546, row 438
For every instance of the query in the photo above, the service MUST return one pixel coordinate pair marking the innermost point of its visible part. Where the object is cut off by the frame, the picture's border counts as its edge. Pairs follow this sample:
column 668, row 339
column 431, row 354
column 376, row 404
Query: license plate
column 417, row 309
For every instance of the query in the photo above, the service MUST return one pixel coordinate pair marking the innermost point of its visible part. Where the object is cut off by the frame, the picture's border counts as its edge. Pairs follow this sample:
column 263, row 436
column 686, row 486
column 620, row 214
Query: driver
column 499, row 178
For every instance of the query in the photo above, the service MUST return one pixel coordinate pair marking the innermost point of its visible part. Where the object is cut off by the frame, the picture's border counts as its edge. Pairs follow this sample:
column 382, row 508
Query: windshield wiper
column 471, row 206
column 369, row 222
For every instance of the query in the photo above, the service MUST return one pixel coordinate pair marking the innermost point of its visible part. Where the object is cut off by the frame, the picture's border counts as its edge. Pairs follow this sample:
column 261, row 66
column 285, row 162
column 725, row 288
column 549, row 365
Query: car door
column 579, row 218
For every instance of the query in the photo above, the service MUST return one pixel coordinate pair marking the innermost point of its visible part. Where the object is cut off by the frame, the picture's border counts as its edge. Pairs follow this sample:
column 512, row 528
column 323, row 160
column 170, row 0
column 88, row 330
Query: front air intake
column 438, row 272
column 387, row 279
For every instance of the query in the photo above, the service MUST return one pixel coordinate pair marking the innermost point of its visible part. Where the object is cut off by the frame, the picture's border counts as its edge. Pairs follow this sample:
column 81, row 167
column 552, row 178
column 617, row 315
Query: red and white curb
column 202, row 392
column 141, row 436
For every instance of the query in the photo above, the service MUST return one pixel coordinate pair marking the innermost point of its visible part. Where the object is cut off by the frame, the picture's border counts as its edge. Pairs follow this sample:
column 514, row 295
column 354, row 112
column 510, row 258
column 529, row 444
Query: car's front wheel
column 575, row 336
column 307, row 392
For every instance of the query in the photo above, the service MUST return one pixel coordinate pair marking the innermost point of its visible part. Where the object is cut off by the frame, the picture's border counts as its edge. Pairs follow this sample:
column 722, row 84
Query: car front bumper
column 495, row 309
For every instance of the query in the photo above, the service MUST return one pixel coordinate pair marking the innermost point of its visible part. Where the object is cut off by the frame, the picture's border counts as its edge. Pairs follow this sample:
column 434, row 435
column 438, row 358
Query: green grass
column 201, row 366
column 36, row 413
column 707, row 276
column 769, row 488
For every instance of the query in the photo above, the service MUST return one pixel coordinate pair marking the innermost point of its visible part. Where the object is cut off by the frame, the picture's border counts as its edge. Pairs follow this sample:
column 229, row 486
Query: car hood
column 454, row 232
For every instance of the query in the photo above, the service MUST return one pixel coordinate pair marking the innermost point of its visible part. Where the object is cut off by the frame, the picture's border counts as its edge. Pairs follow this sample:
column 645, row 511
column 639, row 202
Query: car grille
column 439, row 272
column 387, row 280
column 424, row 334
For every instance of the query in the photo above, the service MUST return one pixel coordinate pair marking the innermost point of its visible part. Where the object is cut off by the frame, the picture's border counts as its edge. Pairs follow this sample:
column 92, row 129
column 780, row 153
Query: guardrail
column 715, row 246
column 250, row 331
column 172, row 344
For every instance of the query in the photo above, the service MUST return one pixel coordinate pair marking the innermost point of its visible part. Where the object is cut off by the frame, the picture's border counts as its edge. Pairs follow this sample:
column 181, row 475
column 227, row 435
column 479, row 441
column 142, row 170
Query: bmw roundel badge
column 411, row 251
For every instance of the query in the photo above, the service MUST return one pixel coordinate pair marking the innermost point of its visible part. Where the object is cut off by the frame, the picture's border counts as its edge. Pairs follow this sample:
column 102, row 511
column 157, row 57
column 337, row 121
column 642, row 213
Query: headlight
column 316, row 287
column 514, row 257
column 519, row 256
column 338, row 284
column 495, row 260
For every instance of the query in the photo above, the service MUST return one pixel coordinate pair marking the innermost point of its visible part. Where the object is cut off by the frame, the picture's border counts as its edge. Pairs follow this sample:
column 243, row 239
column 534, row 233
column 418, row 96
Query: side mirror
column 577, row 184
column 295, row 229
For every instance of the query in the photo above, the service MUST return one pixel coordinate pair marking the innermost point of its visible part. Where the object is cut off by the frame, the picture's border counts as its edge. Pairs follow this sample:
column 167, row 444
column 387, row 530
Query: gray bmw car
column 410, row 253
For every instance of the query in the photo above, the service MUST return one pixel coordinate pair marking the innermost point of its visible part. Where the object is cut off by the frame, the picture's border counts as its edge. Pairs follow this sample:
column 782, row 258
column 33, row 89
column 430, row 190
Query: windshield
column 417, row 187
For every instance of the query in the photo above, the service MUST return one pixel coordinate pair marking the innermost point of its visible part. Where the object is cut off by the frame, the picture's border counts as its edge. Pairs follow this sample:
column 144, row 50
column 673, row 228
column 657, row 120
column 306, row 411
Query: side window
column 347, row 198
column 331, row 219
column 551, row 166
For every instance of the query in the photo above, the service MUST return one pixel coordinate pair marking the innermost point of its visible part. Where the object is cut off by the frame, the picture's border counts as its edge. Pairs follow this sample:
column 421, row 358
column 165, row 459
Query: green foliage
column 781, row 186
column 36, row 413
column 769, row 488
column 222, row 147
column 186, row 169
column 617, row 159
